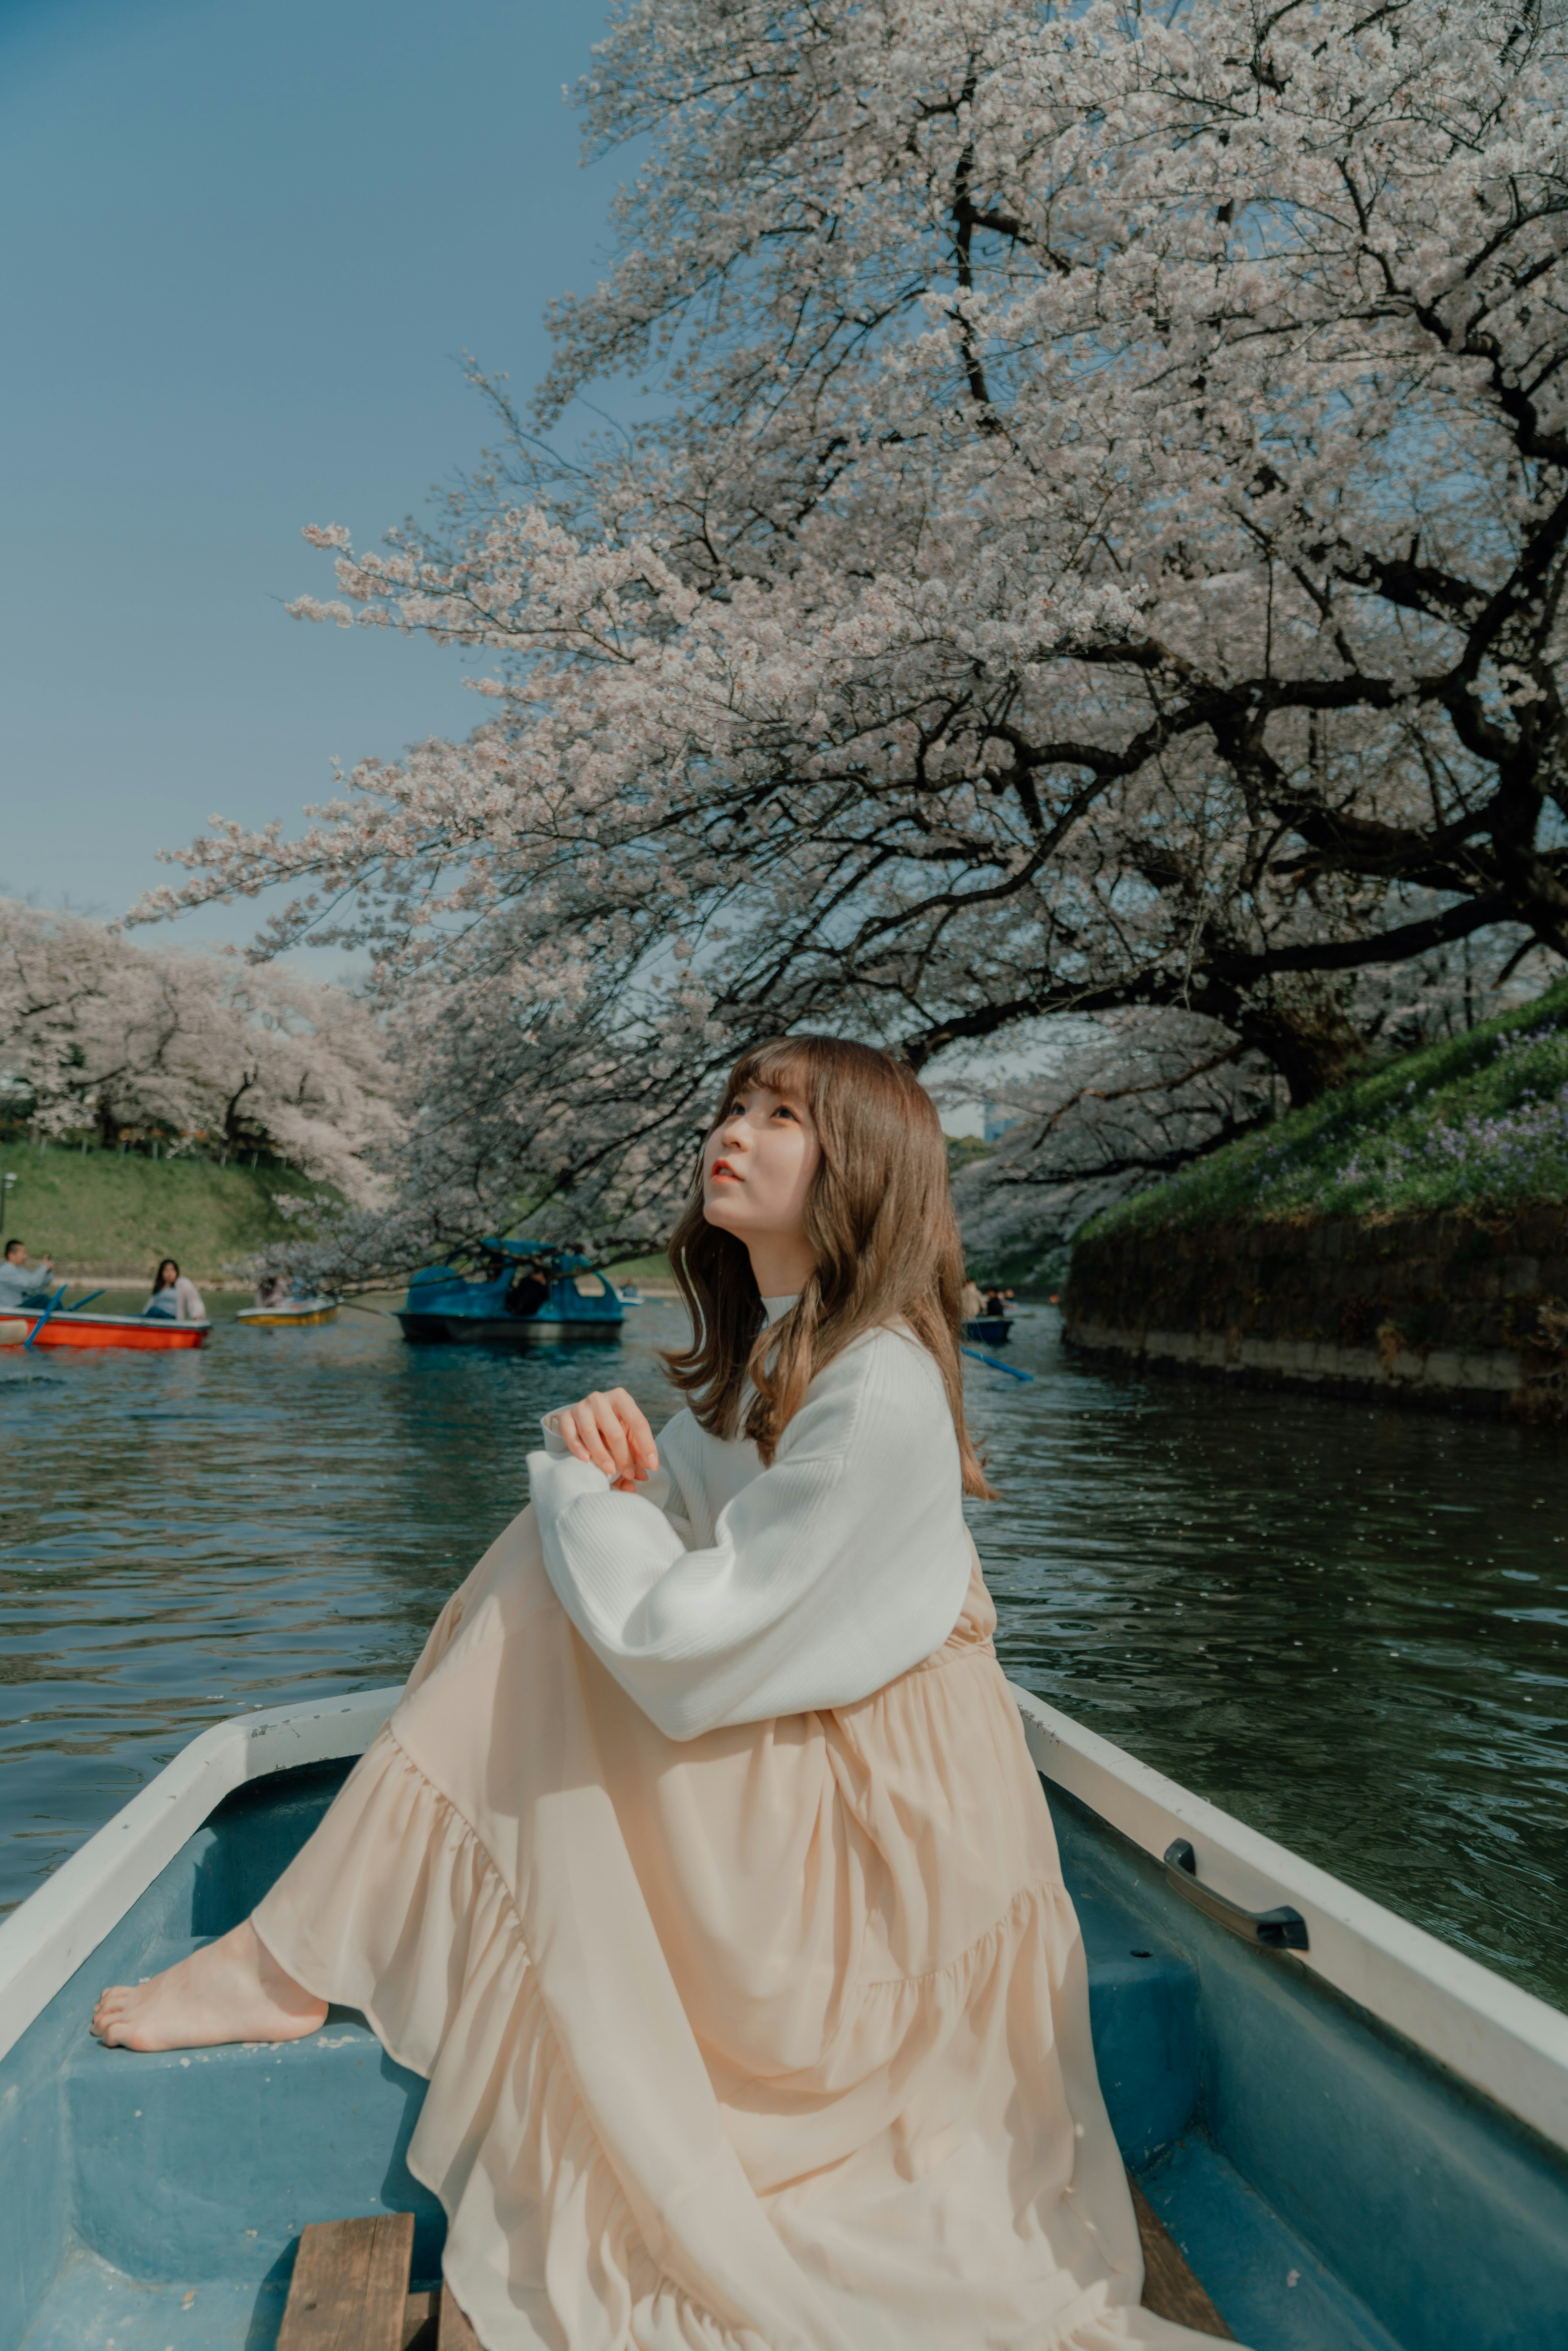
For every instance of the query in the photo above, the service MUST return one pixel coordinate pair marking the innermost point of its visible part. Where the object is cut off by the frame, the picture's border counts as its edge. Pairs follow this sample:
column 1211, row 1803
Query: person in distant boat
column 970, row 1304
column 995, row 1302
column 528, row 1293
column 176, row 1298
column 701, row 1869
column 22, row 1284
column 274, row 1289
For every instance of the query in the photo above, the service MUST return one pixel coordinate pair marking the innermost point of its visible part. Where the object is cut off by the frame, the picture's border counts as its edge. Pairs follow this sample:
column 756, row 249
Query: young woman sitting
column 174, row 1297
column 701, row 1869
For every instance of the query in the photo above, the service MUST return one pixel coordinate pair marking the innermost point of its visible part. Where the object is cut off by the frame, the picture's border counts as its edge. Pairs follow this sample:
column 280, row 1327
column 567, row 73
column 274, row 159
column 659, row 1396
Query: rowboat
column 158, row 1333
column 1344, row 2136
column 992, row 1328
column 295, row 1316
column 526, row 1292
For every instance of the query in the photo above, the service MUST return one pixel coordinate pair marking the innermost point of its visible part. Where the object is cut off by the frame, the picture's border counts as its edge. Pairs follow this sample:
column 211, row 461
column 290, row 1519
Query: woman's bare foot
column 233, row 1989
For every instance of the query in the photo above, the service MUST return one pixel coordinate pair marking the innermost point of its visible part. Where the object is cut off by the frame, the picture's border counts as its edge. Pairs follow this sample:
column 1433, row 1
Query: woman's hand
column 609, row 1431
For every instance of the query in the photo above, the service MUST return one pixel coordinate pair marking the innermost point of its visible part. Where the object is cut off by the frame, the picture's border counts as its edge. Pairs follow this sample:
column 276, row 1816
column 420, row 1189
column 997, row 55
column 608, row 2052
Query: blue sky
column 246, row 247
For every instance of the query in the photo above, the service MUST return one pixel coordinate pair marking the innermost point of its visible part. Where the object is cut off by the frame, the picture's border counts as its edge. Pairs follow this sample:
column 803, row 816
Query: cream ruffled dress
column 774, row 2038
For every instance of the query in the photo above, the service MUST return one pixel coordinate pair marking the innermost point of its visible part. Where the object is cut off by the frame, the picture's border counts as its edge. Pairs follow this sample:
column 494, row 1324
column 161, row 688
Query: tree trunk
column 1313, row 1047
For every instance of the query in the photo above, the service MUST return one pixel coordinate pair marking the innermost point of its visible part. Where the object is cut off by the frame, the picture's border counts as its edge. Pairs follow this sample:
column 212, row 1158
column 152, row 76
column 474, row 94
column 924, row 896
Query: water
column 1345, row 1625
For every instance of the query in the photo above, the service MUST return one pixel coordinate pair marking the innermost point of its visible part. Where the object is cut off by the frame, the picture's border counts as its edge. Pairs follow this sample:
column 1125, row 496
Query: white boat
column 1355, row 2137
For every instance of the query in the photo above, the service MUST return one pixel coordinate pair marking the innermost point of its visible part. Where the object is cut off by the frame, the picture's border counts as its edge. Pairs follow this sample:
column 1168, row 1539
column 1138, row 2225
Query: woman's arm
column 673, row 1484
column 828, row 1574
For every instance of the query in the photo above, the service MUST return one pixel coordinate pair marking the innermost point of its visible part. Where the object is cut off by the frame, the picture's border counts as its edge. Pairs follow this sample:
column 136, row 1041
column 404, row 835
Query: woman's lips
column 722, row 1168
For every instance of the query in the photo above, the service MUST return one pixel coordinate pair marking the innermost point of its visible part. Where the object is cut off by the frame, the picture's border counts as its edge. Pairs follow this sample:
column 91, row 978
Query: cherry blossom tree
column 1098, row 549
column 1125, row 1098
column 201, row 1050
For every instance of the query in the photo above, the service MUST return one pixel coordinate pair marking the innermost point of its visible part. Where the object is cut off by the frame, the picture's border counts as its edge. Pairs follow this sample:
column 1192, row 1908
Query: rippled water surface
column 1344, row 1624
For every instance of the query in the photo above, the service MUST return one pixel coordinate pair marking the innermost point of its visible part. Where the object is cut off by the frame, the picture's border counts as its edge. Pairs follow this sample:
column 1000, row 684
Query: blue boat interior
column 517, row 1280
column 1332, row 2187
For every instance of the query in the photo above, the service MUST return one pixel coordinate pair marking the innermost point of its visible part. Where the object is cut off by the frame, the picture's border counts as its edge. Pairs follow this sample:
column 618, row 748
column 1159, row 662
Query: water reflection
column 1344, row 1625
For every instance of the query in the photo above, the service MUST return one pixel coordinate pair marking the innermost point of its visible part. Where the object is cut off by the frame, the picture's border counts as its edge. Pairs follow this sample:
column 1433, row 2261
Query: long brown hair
column 880, row 1219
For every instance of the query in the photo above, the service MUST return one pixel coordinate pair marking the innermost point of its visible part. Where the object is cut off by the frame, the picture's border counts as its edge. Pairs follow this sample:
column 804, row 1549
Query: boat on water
column 991, row 1328
column 525, row 1293
column 1346, row 2134
column 293, row 1315
column 71, row 1327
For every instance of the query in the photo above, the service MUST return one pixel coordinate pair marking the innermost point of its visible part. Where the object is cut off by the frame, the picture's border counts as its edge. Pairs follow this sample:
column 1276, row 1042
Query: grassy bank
column 95, row 1212
column 1477, row 1123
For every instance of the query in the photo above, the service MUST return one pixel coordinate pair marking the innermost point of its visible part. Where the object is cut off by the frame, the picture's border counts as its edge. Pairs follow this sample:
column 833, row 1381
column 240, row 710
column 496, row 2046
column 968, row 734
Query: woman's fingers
column 611, row 1432
column 579, row 1427
column 639, row 1435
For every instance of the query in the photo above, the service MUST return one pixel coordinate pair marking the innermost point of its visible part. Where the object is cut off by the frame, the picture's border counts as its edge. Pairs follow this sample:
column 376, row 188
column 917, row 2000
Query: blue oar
column 995, row 1362
column 51, row 1306
column 44, row 1315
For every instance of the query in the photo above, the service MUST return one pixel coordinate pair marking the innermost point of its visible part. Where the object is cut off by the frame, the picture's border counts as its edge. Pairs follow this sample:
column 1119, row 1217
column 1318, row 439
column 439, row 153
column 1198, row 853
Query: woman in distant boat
column 969, row 1302
column 176, row 1298
column 701, row 1869
column 273, row 1290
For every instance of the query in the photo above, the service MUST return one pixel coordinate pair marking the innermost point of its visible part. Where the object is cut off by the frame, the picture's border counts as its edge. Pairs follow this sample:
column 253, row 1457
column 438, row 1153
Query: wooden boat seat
column 350, row 2290
column 350, row 2293
column 1170, row 2289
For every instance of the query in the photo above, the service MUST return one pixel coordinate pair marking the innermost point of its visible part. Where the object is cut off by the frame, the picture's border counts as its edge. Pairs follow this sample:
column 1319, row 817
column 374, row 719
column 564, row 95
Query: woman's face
column 168, row 1273
column 757, row 1165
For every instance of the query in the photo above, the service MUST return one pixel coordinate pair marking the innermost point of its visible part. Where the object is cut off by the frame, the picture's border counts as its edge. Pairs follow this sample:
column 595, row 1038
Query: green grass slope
column 98, row 1212
column 1479, row 1122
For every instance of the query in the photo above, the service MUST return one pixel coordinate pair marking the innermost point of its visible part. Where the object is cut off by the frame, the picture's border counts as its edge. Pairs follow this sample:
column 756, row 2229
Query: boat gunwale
column 1499, row 2038
column 118, row 1322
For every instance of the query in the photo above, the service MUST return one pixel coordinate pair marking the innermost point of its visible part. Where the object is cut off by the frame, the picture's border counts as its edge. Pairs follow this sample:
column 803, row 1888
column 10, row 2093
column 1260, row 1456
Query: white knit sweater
column 721, row 1591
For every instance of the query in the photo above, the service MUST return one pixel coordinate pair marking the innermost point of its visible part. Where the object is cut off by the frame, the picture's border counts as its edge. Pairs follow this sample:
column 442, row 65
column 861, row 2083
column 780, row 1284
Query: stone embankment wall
column 1454, row 1312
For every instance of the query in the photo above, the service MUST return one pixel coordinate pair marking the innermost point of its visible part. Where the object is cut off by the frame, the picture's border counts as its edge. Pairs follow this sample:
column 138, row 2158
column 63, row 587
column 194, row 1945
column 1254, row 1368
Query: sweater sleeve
column 675, row 1488
column 828, row 1574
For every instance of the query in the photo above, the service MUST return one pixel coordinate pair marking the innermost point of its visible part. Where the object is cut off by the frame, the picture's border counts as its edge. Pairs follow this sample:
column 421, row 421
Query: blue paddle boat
column 523, row 1292
column 1342, row 2134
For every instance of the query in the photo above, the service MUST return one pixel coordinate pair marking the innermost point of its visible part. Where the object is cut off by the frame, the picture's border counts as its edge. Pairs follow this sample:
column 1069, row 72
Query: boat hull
column 504, row 1330
column 991, row 1328
column 145, row 1334
column 283, row 1317
column 531, row 1294
column 1343, row 2173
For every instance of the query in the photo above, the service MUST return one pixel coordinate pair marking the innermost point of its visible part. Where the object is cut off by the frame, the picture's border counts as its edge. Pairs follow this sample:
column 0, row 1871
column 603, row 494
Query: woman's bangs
column 784, row 1065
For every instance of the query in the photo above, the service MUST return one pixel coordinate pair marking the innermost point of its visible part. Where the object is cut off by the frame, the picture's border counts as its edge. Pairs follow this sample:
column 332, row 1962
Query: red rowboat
column 66, row 1330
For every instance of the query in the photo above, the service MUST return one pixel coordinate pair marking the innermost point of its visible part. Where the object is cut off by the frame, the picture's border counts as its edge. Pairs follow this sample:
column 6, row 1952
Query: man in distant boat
column 22, row 1284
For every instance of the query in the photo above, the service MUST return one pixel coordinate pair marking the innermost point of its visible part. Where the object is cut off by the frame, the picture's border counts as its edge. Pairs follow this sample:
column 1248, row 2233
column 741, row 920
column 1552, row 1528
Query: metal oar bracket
column 1272, row 1930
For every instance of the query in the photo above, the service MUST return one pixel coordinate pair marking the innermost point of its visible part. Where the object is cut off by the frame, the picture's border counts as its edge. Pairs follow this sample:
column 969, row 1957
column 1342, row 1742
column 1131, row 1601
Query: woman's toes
column 110, row 2012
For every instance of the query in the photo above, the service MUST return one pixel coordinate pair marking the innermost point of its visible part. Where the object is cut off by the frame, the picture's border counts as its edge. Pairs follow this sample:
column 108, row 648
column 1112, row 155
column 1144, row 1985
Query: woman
column 174, row 1296
column 702, row 1868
